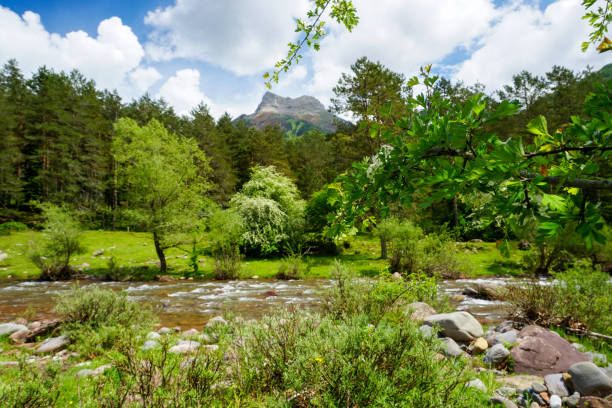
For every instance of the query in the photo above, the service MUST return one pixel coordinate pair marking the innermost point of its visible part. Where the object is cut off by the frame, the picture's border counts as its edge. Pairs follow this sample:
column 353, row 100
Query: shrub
column 61, row 241
column 578, row 298
column 413, row 252
column 114, row 271
column 95, row 307
column 271, row 211
column 293, row 267
column 12, row 226
column 30, row 388
column 226, row 229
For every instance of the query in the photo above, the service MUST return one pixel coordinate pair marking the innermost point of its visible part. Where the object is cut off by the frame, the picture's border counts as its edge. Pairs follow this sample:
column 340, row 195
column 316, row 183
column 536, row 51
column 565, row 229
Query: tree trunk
column 160, row 254
column 383, row 248
column 455, row 212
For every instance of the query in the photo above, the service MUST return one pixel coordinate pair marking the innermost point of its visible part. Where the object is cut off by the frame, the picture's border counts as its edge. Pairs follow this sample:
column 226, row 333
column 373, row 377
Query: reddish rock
column 269, row 293
column 541, row 352
column 594, row 402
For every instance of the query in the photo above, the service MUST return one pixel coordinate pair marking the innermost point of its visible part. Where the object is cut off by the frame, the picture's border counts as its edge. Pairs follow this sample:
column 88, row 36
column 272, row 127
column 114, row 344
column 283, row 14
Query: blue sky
column 189, row 51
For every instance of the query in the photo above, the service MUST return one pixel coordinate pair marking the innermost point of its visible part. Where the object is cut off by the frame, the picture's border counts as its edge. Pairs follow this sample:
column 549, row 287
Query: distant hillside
column 606, row 72
column 296, row 115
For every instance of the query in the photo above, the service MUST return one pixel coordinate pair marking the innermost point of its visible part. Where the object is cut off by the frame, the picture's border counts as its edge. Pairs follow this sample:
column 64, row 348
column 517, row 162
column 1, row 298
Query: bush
column 578, row 298
column 114, row 271
column 226, row 229
column 61, row 241
column 30, row 388
column 95, row 307
column 413, row 252
column 293, row 267
column 271, row 211
column 12, row 226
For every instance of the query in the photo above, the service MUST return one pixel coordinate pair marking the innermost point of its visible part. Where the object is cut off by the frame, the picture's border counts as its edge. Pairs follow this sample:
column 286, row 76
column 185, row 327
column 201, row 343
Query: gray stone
column 184, row 347
column 149, row 345
column 534, row 405
column 93, row 373
column 538, row 387
column 53, row 344
column 555, row 401
column 153, row 336
column 451, row 348
column 217, row 320
column 504, row 326
column 507, row 392
column 86, row 372
column 420, row 310
column 506, row 338
column 426, row 331
column 6, row 329
column 556, row 385
column 208, row 338
column 164, row 330
column 98, row 252
column 459, row 326
column 478, row 384
column 588, row 380
column 190, row 333
column 573, row 399
column 504, row 402
column 496, row 354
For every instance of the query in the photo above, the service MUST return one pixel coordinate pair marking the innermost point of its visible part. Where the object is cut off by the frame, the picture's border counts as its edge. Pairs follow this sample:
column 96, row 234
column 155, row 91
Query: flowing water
column 191, row 303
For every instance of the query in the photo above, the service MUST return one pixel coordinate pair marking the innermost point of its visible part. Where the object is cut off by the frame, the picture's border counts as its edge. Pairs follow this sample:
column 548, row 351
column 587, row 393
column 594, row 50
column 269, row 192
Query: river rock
column 572, row 400
column 496, row 355
column 184, row 347
column 217, row 320
column 149, row 345
column 459, row 326
column 86, row 372
column 499, row 400
column 7, row 329
column 98, row 252
column 164, row 330
column 190, row 333
column 588, row 380
column 555, row 401
column 208, row 338
column 538, row 387
column 478, row 384
column 20, row 336
column 53, row 344
column 420, row 310
column 451, row 348
column 153, row 336
column 479, row 346
column 556, row 385
column 541, row 351
column 594, row 402
column 506, row 338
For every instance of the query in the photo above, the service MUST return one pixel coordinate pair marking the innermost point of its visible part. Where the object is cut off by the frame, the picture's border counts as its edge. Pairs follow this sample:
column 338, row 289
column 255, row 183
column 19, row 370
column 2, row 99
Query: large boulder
column 420, row 310
column 588, row 380
column 541, row 351
column 53, row 344
column 459, row 326
column 6, row 329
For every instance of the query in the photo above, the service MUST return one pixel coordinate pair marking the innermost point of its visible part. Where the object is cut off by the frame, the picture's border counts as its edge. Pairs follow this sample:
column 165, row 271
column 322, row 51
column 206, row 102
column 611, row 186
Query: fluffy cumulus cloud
column 244, row 37
column 106, row 59
column 527, row 38
column 143, row 78
column 182, row 91
column 402, row 35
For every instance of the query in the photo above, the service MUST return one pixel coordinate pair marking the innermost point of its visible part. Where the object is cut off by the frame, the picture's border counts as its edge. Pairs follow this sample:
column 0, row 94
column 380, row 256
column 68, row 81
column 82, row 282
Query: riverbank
column 134, row 252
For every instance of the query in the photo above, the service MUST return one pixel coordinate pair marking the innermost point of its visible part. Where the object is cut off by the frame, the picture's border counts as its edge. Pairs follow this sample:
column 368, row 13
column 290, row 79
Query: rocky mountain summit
column 295, row 115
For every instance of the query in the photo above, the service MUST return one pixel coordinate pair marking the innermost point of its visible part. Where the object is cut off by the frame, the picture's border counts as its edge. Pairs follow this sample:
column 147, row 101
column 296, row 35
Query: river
column 190, row 304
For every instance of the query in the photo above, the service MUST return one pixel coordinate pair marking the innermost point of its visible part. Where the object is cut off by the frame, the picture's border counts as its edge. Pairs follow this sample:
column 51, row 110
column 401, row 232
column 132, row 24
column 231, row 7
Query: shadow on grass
column 506, row 268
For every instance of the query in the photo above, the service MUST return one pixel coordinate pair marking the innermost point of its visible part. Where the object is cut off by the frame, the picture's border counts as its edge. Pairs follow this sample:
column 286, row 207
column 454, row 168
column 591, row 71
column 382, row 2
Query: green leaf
column 538, row 126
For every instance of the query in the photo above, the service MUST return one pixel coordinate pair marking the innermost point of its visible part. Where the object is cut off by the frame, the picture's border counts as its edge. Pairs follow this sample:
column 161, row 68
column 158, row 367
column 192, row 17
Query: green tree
column 162, row 179
column 374, row 95
column 272, row 212
column 444, row 150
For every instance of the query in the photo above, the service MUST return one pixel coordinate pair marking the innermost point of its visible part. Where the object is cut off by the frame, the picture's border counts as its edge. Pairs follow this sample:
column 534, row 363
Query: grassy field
column 134, row 251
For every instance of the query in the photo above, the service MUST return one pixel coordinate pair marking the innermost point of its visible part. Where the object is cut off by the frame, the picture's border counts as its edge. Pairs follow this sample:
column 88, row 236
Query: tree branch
column 571, row 182
column 570, row 149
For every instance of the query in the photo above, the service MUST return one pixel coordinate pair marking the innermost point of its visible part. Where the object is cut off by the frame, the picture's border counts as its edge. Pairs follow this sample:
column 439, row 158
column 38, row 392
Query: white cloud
column 402, row 35
column 526, row 38
column 244, row 37
column 106, row 59
column 143, row 78
column 182, row 91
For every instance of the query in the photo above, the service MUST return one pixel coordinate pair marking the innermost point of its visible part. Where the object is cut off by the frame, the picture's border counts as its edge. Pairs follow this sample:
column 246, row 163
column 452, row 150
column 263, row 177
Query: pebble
column 496, row 354
column 555, row 401
column 477, row 384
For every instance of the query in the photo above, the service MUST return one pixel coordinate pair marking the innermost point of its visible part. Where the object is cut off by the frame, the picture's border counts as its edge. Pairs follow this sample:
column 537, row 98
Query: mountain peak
column 296, row 115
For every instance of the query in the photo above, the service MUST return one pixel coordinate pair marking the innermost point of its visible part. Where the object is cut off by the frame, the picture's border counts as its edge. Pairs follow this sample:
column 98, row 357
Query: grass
column 134, row 251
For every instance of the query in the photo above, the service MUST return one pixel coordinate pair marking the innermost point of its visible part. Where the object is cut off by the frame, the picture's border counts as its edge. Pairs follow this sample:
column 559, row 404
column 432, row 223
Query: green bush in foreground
column 578, row 298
